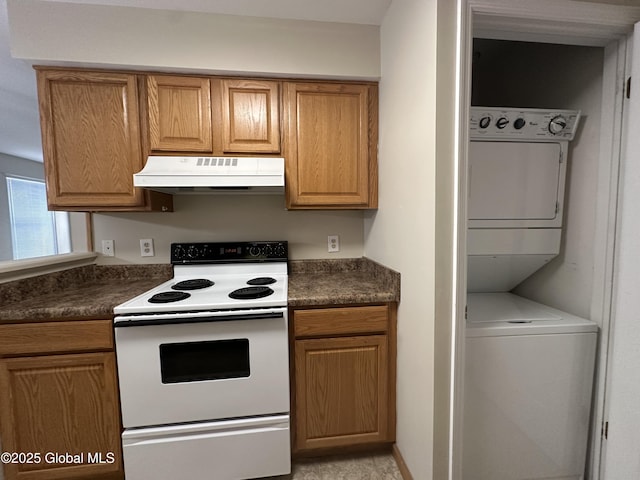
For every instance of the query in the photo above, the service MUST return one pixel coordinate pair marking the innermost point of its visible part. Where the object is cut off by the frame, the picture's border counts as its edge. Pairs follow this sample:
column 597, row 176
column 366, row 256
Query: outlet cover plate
column 146, row 247
column 333, row 243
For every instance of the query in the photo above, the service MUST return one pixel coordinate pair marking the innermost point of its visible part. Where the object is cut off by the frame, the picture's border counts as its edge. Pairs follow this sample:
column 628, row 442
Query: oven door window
column 210, row 360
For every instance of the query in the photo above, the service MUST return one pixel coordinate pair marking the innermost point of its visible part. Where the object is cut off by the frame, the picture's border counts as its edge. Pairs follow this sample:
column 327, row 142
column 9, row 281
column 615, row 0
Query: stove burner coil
column 192, row 284
column 249, row 293
column 261, row 281
column 168, row 297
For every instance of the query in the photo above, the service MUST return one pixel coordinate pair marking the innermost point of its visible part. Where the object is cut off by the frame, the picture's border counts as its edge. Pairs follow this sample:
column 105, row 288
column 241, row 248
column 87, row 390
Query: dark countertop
column 92, row 291
column 340, row 282
column 78, row 293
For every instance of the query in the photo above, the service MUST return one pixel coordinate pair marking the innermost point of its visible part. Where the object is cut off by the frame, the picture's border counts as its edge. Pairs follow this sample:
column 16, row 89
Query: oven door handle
column 152, row 321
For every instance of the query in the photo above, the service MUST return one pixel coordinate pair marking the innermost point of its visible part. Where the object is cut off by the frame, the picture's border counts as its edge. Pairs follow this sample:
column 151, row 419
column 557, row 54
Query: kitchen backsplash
column 207, row 218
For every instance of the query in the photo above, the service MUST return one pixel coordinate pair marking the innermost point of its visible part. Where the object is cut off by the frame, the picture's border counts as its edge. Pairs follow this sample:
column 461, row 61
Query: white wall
column 447, row 314
column 555, row 76
column 77, row 34
column 401, row 233
column 209, row 218
column 54, row 32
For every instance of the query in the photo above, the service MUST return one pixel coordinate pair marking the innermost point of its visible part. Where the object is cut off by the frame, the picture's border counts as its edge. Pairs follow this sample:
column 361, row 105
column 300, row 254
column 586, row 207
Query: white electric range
column 203, row 366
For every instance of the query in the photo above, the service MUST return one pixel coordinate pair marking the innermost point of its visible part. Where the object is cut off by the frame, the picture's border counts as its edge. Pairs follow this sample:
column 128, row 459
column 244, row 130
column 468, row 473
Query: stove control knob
column 178, row 252
column 557, row 124
column 280, row 250
column 502, row 122
column 267, row 250
column 519, row 123
column 484, row 122
column 193, row 252
column 254, row 251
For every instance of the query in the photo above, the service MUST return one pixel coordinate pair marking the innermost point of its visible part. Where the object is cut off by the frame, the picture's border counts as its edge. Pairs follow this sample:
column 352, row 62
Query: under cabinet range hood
column 212, row 175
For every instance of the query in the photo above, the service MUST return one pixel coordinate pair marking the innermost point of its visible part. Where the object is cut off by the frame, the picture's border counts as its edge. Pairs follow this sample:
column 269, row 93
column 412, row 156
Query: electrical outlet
column 146, row 247
column 333, row 243
column 108, row 250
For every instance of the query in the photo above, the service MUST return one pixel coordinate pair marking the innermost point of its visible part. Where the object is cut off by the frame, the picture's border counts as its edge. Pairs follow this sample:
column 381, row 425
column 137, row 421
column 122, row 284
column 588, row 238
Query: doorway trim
column 545, row 21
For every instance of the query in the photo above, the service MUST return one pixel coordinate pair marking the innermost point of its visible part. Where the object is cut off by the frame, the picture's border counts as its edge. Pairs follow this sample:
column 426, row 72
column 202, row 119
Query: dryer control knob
column 484, row 122
column 502, row 122
column 557, row 124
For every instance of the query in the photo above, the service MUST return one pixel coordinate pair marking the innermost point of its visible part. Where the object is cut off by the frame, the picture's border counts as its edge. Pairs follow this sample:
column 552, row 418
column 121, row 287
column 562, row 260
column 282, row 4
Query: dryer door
column 513, row 184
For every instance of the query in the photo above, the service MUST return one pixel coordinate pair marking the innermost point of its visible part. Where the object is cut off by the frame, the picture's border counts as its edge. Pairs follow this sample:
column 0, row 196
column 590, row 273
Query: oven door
column 186, row 367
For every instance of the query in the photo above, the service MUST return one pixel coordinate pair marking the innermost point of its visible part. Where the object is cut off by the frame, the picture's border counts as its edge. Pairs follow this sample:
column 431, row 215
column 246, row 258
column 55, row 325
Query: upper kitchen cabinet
column 211, row 115
column 250, row 116
column 331, row 136
column 91, row 142
column 179, row 114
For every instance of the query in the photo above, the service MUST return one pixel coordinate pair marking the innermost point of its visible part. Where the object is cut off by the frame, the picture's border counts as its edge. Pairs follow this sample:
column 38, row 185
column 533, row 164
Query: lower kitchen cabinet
column 344, row 376
column 59, row 410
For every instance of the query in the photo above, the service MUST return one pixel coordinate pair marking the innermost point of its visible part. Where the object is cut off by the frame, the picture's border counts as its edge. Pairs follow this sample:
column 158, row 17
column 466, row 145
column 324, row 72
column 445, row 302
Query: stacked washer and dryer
column 529, row 367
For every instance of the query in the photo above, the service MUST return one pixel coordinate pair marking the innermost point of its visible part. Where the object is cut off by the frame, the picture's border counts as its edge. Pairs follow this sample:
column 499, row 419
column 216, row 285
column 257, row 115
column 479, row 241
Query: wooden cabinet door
column 341, row 391
column 64, row 404
column 331, row 144
column 179, row 114
column 91, row 139
column 250, row 116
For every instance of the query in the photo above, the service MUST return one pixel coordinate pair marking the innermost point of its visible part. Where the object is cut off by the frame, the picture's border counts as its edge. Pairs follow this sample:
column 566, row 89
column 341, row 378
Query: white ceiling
column 19, row 120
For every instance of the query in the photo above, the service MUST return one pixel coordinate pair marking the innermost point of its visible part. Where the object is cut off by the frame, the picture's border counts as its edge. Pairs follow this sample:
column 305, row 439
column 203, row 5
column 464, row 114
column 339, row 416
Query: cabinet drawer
column 55, row 337
column 340, row 321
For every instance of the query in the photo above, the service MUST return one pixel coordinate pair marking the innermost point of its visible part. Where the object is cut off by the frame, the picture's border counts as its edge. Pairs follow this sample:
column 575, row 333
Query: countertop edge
column 366, row 282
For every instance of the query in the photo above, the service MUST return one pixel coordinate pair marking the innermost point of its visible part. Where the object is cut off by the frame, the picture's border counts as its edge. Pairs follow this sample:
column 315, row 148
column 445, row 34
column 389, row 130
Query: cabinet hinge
column 628, row 87
column 604, row 433
column 557, row 207
column 465, row 312
column 561, row 157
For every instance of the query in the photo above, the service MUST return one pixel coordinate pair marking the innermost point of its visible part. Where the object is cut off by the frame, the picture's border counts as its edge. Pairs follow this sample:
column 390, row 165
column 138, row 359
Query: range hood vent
column 212, row 175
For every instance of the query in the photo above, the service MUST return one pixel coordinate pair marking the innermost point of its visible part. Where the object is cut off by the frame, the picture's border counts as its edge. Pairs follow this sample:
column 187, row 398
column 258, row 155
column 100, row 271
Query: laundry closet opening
column 533, row 316
column 551, row 76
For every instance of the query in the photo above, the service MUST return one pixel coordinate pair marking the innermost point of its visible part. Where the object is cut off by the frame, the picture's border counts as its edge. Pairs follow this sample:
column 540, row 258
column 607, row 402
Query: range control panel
column 493, row 123
column 229, row 252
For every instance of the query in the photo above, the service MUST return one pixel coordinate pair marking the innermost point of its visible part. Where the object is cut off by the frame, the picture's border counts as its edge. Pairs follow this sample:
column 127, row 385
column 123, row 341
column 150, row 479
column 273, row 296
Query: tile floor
column 380, row 466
